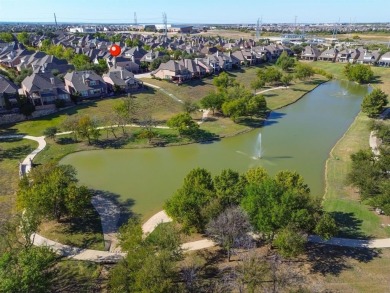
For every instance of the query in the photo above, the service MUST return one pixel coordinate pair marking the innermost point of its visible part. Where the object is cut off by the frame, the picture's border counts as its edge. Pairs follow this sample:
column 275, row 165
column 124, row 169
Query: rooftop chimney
column 121, row 71
column 83, row 76
column 52, row 80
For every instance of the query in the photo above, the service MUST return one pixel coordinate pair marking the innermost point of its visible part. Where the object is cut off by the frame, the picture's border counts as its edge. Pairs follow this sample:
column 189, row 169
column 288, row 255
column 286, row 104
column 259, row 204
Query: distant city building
column 83, row 29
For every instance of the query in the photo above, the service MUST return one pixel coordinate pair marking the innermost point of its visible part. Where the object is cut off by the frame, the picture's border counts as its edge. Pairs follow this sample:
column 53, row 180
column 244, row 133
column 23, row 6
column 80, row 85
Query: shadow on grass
column 16, row 152
column 349, row 225
column 332, row 260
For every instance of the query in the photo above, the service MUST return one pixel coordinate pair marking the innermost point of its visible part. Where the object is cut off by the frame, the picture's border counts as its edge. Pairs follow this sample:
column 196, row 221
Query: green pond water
column 298, row 137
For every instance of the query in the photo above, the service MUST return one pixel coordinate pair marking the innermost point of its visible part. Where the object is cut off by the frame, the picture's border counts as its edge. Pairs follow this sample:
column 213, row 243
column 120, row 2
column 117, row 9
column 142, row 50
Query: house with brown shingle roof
column 329, row 55
column 368, row 57
column 173, row 71
column 310, row 53
column 44, row 89
column 9, row 89
column 87, row 83
column 123, row 79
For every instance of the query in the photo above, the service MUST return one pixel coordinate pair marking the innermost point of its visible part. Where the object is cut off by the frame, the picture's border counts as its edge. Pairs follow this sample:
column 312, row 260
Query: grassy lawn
column 341, row 198
column 153, row 103
column 280, row 98
column 85, row 232
column 11, row 152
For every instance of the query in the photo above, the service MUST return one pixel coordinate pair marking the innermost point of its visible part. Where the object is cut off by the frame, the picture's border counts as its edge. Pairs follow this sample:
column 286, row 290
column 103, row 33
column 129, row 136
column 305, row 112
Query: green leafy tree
column 272, row 75
column 189, row 202
column 87, row 128
column 286, row 79
column 256, row 106
column 234, row 108
column 71, row 124
column 213, row 101
column 50, row 132
column 289, row 242
column 81, row 62
column 190, row 107
column 257, row 84
column 23, row 38
column 359, row 72
column 6, row 37
column 229, row 188
column 223, row 81
column 291, row 180
column 184, row 124
column 256, row 175
column 326, row 227
column 374, row 102
column 52, row 192
column 303, row 71
column 285, row 62
column 27, row 270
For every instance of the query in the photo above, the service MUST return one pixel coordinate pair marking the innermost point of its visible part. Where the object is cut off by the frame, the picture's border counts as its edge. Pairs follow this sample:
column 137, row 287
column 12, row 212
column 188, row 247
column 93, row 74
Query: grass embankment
column 12, row 151
column 341, row 198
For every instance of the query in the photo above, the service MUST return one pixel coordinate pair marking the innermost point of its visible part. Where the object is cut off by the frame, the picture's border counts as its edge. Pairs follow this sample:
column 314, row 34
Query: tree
column 285, row 62
column 286, row 79
column 256, row 175
column 166, row 236
column 257, row 84
column 23, row 38
column 256, row 106
column 271, row 75
column 52, row 192
column 374, row 102
column 359, row 72
column 81, row 62
column 272, row 207
column 25, row 106
column 71, row 124
column 291, row 180
column 290, row 243
column 184, row 124
column 190, row 107
column 229, row 188
column 326, row 227
column 188, row 204
column 149, row 265
column 303, row 71
column 27, row 270
column 51, row 132
column 229, row 228
column 87, row 128
column 223, row 81
column 6, row 37
column 234, row 108
column 125, row 111
column 212, row 101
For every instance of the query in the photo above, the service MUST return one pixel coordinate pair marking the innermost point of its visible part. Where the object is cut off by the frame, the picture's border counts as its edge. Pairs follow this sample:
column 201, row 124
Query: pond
column 298, row 137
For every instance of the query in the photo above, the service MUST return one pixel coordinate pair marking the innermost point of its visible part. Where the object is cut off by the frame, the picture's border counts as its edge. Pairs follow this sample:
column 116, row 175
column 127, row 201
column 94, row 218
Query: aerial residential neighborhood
column 166, row 147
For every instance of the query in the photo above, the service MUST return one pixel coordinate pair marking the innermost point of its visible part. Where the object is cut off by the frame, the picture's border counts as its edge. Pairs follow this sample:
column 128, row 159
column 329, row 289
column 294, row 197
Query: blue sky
column 195, row 11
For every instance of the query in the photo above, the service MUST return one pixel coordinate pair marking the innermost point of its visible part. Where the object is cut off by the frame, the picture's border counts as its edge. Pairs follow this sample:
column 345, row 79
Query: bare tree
column 229, row 229
column 190, row 273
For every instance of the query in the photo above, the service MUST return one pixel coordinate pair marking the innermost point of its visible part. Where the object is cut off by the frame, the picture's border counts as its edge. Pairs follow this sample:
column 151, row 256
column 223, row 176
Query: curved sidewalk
column 109, row 216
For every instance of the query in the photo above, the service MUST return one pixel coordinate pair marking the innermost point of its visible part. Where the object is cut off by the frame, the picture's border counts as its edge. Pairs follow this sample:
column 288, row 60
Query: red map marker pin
column 115, row 50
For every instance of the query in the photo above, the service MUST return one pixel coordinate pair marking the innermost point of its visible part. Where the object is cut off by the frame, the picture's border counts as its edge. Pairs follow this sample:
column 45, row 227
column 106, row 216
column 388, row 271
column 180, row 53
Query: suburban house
column 348, row 55
column 196, row 68
column 173, row 71
column 44, row 89
column 368, row 57
column 310, row 53
column 151, row 56
column 8, row 90
column 384, row 60
column 122, row 79
column 328, row 55
column 87, row 83
column 123, row 63
column 134, row 54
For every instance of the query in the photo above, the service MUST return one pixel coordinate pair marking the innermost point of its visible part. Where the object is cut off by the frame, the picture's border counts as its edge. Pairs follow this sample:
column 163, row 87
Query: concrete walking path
column 109, row 214
column 272, row 89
